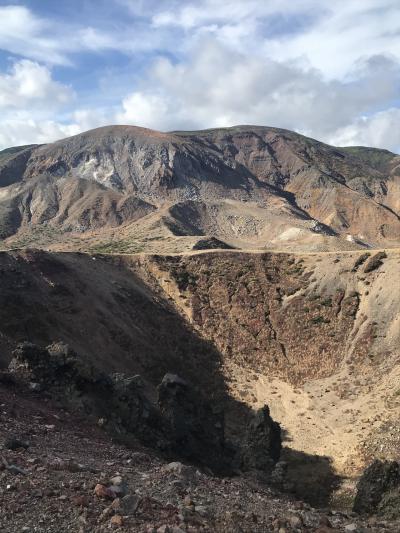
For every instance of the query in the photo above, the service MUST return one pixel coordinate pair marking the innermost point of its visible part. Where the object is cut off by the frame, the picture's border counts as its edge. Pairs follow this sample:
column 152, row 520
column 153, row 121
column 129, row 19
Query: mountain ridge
column 250, row 186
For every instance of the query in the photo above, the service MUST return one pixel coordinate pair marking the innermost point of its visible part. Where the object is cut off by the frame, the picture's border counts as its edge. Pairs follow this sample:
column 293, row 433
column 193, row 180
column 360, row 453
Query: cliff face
column 251, row 186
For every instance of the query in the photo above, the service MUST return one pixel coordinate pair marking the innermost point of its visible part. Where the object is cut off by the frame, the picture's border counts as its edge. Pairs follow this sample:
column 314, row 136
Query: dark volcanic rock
column 120, row 401
column 184, row 423
column 211, row 243
column 263, row 442
column 50, row 367
column 375, row 262
column 13, row 443
column 378, row 490
column 195, row 430
column 130, row 410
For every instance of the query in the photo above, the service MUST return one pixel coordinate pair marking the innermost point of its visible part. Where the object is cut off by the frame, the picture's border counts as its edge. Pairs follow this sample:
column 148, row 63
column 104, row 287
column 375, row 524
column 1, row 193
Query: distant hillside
column 132, row 189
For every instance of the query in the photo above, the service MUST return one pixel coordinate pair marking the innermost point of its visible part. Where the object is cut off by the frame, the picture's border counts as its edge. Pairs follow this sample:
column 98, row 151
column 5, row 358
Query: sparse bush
column 319, row 320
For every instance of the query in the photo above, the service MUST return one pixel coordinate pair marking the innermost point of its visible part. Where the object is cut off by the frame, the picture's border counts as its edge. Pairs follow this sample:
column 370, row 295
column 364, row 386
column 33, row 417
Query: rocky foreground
column 62, row 472
column 65, row 475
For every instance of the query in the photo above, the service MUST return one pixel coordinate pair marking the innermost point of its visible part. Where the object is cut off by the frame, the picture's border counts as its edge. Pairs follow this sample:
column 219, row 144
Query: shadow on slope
column 312, row 477
column 108, row 314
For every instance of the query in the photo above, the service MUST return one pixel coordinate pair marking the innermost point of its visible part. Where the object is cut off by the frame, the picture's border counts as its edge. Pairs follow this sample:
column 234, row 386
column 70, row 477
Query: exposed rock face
column 211, row 244
column 378, row 490
column 118, row 400
column 195, row 428
column 247, row 185
column 375, row 262
column 183, row 424
column 54, row 366
column 263, row 442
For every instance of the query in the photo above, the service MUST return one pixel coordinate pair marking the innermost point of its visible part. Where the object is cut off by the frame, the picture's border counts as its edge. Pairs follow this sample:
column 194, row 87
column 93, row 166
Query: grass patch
column 117, row 247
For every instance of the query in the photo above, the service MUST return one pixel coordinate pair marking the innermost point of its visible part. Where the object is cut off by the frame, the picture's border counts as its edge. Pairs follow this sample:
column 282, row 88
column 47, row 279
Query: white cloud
column 330, row 36
column 25, row 34
column 31, row 84
column 380, row 130
column 191, row 15
column 327, row 69
column 145, row 109
column 14, row 132
column 29, row 99
column 22, row 33
column 87, row 119
column 218, row 87
column 348, row 31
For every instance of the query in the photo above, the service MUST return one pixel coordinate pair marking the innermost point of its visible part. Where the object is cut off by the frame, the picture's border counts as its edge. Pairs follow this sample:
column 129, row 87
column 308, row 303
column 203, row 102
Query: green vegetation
column 38, row 235
column 375, row 157
column 183, row 279
column 319, row 320
column 117, row 247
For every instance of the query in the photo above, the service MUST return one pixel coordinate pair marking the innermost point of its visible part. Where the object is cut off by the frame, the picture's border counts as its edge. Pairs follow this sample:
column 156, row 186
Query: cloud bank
column 329, row 70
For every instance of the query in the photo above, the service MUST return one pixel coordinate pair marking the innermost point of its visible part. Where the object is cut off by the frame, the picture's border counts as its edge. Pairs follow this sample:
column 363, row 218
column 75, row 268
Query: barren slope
column 252, row 187
column 315, row 336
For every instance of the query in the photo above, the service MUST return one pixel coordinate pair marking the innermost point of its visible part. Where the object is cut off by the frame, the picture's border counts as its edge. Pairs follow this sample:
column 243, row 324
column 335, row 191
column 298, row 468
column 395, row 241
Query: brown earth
column 300, row 311
column 314, row 336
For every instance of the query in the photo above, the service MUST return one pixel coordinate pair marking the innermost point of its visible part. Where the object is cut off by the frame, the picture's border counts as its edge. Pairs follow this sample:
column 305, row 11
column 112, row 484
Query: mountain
column 124, row 188
column 262, row 323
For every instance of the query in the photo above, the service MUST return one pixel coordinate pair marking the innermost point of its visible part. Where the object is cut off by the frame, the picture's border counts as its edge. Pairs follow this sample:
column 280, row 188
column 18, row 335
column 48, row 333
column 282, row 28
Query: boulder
column 131, row 408
column 56, row 366
column 378, row 490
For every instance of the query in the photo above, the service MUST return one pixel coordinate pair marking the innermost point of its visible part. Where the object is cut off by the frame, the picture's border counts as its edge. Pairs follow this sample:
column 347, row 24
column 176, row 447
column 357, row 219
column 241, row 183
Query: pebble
column 187, row 500
column 80, row 501
column 117, row 521
column 295, row 521
column 103, row 492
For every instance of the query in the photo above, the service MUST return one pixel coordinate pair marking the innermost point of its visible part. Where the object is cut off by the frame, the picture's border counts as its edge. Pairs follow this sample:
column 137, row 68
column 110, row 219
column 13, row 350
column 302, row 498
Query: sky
column 327, row 69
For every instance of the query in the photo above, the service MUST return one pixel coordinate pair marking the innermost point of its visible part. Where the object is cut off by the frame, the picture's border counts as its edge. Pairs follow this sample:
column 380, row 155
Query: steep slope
column 314, row 336
column 253, row 187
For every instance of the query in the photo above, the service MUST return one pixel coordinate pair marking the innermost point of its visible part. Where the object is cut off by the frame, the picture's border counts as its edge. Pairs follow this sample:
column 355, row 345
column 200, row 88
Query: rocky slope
column 316, row 337
column 129, row 188
column 63, row 461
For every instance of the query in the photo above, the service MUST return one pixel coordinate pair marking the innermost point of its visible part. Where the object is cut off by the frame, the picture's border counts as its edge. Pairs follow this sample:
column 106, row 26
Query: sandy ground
column 318, row 420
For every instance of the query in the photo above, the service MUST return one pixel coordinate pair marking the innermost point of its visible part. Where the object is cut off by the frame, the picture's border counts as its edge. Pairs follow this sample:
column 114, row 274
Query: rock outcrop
column 378, row 490
column 182, row 423
column 263, row 443
column 118, row 401
column 195, row 427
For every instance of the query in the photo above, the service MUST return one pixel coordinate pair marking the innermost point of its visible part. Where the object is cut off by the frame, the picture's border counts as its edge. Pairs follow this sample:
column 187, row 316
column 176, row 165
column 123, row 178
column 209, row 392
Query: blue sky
column 328, row 69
